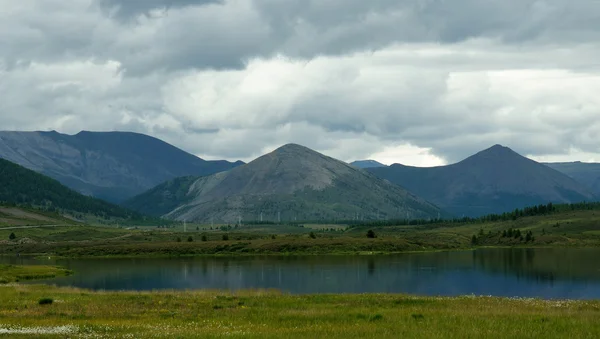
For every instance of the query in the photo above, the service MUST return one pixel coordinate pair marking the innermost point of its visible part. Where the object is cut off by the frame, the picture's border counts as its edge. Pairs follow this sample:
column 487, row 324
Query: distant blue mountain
column 367, row 164
column 495, row 180
column 113, row 166
column 586, row 173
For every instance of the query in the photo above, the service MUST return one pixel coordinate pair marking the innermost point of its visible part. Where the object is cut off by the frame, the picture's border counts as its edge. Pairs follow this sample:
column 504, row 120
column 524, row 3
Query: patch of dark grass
column 376, row 317
column 418, row 317
column 46, row 301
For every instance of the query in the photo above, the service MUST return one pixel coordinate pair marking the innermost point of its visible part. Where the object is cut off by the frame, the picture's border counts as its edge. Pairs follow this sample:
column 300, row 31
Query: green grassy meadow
column 269, row 314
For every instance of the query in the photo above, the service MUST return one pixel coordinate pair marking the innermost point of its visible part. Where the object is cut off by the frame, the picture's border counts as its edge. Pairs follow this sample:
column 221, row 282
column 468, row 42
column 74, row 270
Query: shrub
column 46, row 301
column 371, row 234
column 178, row 239
column 225, row 237
column 312, row 235
column 12, row 236
column 190, row 239
column 204, row 237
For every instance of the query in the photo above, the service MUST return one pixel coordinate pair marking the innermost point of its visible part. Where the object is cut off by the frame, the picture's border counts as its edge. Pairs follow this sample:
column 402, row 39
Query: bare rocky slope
column 113, row 166
column 291, row 183
column 495, row 180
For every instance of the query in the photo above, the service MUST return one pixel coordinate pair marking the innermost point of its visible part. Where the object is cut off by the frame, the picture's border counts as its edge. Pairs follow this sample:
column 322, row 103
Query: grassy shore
column 564, row 229
column 12, row 273
column 269, row 314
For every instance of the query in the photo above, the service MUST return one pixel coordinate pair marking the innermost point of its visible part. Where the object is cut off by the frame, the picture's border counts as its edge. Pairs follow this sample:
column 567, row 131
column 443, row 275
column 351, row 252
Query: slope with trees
column 22, row 187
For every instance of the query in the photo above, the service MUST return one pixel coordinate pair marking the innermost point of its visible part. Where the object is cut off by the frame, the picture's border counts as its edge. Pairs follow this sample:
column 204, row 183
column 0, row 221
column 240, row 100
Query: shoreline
column 234, row 255
column 287, row 254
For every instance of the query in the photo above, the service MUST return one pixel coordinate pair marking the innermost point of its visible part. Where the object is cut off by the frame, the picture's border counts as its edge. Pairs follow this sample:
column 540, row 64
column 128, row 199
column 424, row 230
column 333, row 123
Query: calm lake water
column 545, row 273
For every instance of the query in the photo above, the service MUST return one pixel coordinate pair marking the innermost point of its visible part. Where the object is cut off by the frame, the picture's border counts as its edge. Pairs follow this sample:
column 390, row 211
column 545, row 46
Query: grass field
column 268, row 314
column 12, row 273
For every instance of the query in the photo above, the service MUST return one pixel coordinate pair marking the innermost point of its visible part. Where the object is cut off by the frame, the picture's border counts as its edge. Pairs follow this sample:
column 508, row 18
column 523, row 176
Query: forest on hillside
column 22, row 187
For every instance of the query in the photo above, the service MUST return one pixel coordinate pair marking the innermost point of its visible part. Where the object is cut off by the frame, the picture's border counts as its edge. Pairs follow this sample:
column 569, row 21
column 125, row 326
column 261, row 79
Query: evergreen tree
column 529, row 236
column 12, row 236
column 517, row 234
column 371, row 234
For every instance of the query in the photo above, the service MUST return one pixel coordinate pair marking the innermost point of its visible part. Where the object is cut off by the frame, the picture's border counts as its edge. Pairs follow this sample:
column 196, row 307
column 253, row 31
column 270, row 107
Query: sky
column 418, row 82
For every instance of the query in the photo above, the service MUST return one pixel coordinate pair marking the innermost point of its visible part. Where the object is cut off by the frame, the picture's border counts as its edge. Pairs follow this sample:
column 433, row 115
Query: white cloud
column 416, row 83
column 454, row 109
column 408, row 155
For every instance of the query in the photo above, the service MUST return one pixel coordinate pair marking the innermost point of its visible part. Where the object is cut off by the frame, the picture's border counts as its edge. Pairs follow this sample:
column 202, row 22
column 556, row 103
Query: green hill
column 22, row 187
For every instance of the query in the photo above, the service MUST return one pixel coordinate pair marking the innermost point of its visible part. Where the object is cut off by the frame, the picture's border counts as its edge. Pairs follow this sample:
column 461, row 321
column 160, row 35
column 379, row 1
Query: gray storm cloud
column 234, row 78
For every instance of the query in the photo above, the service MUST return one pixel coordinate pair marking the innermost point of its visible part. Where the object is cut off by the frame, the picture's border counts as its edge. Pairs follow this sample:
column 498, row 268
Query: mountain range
column 291, row 183
column 495, row 180
column 113, row 166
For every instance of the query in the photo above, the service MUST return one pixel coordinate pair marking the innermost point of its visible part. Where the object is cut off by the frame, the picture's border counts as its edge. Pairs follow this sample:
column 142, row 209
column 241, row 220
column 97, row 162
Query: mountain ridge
column 110, row 165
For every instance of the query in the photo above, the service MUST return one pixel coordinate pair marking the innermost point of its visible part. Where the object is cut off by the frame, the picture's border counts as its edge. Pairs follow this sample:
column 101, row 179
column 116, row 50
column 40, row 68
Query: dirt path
column 37, row 226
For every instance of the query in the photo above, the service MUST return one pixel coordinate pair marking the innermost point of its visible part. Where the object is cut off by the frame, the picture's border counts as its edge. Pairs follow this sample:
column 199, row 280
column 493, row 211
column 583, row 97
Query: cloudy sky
column 420, row 82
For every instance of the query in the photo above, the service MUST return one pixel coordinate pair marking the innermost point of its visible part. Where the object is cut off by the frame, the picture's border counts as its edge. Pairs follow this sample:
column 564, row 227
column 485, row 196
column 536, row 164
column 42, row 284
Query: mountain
column 495, row 180
column 291, row 183
column 109, row 165
column 585, row 173
column 22, row 186
column 367, row 164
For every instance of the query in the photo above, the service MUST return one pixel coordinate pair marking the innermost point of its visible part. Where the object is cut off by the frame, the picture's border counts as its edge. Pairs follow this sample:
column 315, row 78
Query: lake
column 545, row 273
